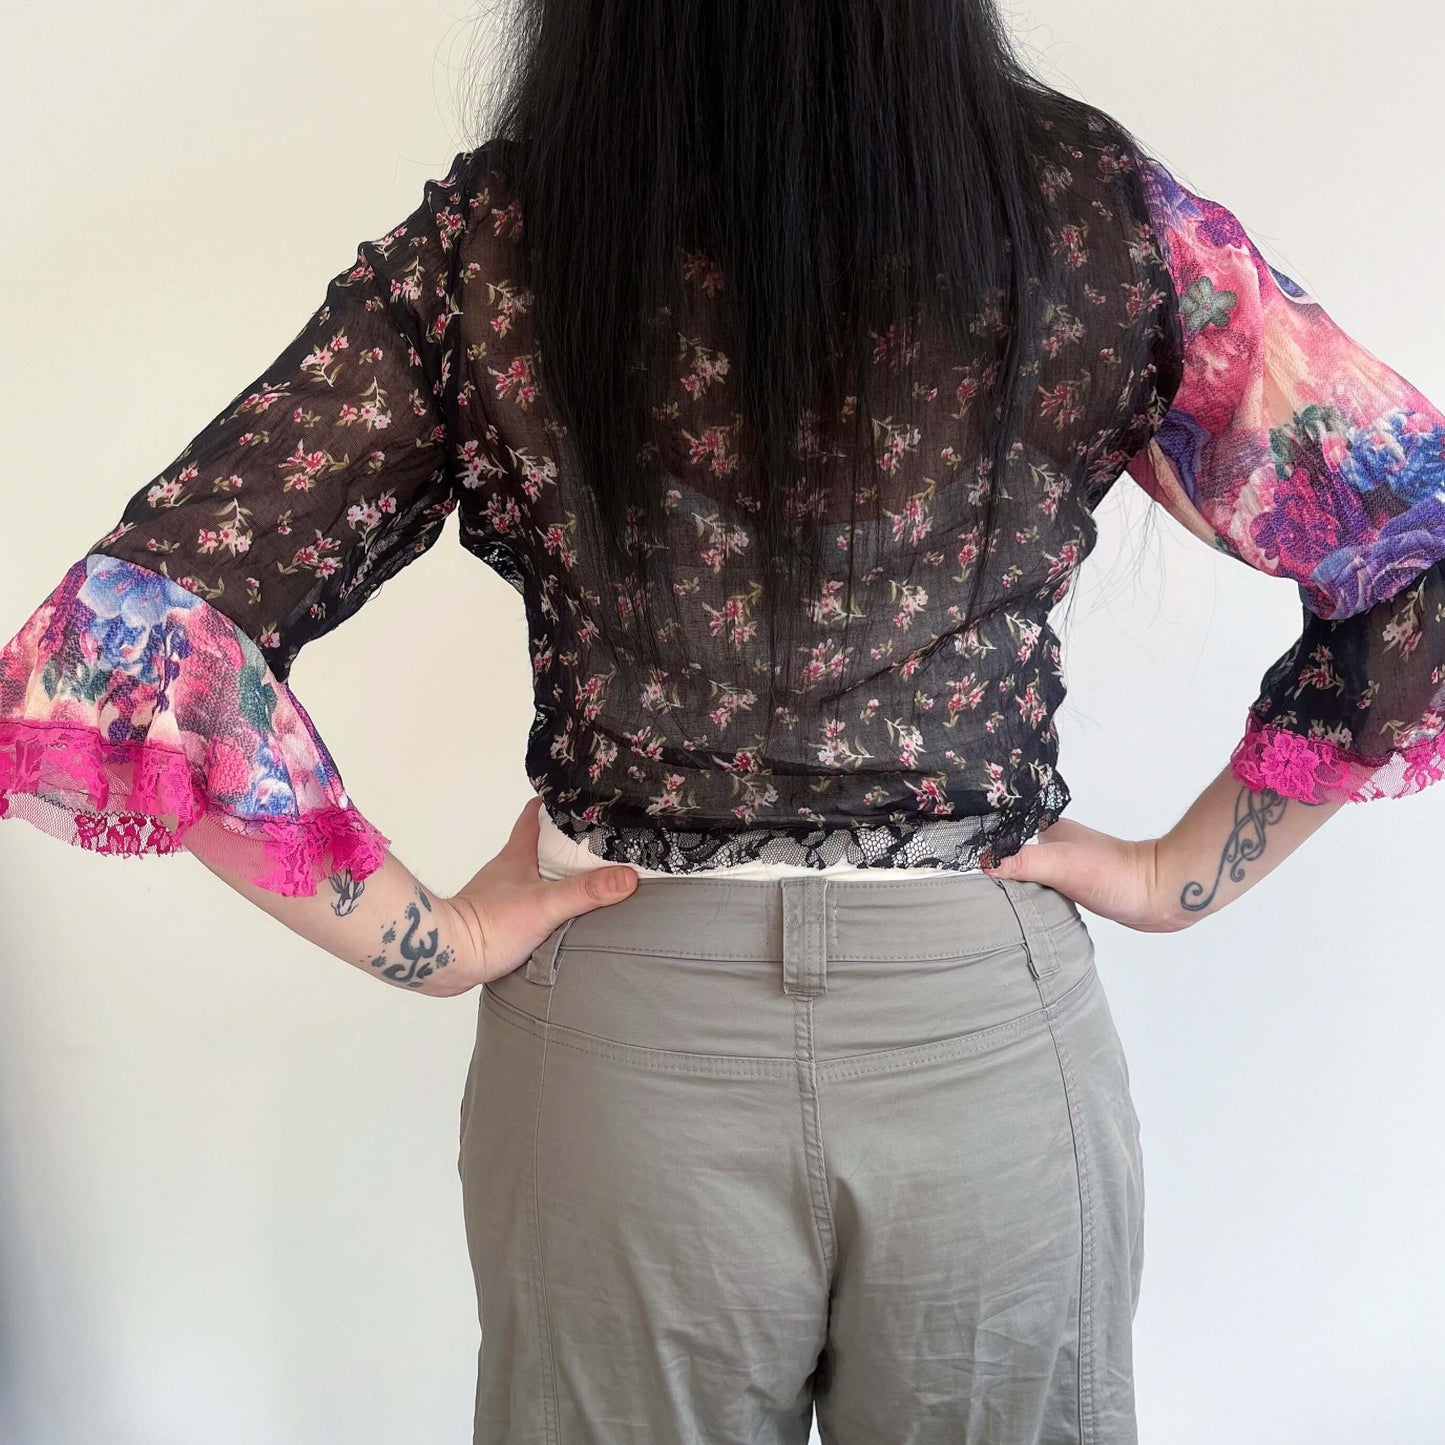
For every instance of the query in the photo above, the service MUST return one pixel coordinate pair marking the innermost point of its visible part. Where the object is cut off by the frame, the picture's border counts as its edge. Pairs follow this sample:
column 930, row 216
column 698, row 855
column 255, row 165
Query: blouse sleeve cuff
column 1315, row 770
column 135, row 719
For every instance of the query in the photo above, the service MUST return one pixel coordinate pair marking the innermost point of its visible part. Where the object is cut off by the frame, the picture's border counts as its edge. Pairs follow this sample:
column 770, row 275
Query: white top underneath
column 559, row 856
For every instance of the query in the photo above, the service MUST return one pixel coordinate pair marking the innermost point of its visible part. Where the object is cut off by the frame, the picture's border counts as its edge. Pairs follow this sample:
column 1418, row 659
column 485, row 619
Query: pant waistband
column 804, row 922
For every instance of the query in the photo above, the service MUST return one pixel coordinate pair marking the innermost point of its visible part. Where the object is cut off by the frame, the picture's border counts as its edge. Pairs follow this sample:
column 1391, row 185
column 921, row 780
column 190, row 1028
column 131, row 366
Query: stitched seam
column 911, row 955
column 961, row 1045
column 550, row 1409
column 813, row 1133
column 766, row 1066
column 1086, row 1246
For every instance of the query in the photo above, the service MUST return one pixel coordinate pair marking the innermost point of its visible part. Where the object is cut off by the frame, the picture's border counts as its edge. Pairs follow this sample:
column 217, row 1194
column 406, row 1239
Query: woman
column 779, row 354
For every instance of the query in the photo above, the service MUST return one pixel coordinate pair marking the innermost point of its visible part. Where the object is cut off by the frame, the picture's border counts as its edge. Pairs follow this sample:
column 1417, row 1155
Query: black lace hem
column 956, row 843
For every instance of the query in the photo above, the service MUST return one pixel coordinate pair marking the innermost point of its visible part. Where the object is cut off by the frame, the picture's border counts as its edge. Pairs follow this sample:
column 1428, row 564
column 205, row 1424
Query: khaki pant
column 733, row 1152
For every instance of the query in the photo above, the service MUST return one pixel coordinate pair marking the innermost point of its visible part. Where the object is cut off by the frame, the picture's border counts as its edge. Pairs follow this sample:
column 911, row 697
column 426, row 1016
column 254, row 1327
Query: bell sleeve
column 1290, row 447
column 145, row 703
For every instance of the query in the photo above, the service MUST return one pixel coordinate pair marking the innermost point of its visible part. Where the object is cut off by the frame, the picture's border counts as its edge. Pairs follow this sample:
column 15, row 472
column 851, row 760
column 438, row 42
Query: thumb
column 595, row 888
column 1031, row 863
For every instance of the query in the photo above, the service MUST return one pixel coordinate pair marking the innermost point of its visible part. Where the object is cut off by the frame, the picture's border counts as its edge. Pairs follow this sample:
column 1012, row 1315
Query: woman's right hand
column 1231, row 837
column 1115, row 878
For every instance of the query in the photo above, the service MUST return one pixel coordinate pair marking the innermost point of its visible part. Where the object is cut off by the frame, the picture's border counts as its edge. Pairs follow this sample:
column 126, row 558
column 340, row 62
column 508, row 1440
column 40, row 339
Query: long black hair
column 852, row 165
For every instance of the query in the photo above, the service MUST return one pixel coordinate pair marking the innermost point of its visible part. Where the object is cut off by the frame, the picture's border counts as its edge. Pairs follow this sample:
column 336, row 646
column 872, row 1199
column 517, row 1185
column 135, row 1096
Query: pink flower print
column 656, row 696
column 701, row 271
column 743, row 761
column 408, row 285
column 1404, row 630
column 1054, row 178
column 477, row 464
column 645, row 743
column 913, row 600
column 507, row 220
column 321, row 361
column 1066, row 330
column 1030, row 706
column 914, row 522
column 535, row 473
column 1029, row 631
column 503, row 514
column 964, row 695
column 372, row 412
column 554, row 539
column 895, row 346
column 542, row 661
column 825, row 660
column 363, row 516
column 733, row 700
column 931, row 796
column 165, row 493
column 604, row 754
column 516, row 382
column 711, row 448
column 828, row 607
column 449, row 225
column 263, row 400
column 836, row 750
column 589, row 697
column 998, row 793
column 702, row 367
column 314, row 556
column 302, row 468
column 724, row 540
column 670, row 797
column 898, row 443
column 270, row 637
column 1061, row 402
column 1068, row 241
column 509, row 306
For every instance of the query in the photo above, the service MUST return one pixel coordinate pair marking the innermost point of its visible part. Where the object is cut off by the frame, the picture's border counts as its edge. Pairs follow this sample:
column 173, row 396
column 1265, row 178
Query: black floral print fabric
column 417, row 389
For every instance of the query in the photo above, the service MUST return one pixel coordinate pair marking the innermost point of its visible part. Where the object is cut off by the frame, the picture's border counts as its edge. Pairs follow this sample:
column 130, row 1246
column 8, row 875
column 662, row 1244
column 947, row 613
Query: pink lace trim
column 1315, row 770
column 115, row 798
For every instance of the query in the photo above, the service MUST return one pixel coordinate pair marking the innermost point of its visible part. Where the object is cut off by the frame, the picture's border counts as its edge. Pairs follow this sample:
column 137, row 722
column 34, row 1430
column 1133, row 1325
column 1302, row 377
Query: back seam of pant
column 1087, row 1433
column 814, row 1156
column 551, row 1424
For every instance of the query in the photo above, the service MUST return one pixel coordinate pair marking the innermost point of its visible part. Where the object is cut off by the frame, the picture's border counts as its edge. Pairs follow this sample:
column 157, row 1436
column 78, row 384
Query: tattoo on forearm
column 420, row 954
column 1253, row 813
column 348, row 892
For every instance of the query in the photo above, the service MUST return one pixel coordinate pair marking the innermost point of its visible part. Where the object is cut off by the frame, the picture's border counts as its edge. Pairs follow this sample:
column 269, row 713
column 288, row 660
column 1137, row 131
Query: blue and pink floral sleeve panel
column 146, row 701
column 1291, row 447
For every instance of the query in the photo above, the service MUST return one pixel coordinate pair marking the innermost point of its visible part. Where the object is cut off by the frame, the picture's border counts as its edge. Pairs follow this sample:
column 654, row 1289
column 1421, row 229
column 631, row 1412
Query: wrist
column 1164, row 889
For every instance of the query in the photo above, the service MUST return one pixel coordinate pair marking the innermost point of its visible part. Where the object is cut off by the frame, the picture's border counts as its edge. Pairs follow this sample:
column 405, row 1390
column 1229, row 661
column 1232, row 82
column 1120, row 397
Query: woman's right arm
column 1290, row 447
column 1232, row 836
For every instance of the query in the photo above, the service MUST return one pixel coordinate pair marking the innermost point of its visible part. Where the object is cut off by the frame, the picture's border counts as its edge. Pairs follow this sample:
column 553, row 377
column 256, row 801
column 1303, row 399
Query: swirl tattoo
column 1253, row 813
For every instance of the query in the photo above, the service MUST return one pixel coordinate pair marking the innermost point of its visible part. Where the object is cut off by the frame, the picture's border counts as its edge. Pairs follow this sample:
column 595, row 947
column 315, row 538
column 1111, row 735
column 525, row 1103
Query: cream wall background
column 229, row 1210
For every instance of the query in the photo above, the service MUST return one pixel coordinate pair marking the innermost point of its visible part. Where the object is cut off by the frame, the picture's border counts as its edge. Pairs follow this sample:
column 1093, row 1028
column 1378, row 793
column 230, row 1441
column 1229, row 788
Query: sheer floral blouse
column 146, row 699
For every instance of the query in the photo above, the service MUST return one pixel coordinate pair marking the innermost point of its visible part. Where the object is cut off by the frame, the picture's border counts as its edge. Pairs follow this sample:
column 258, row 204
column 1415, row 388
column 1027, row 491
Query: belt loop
column 1043, row 957
column 805, row 934
column 542, row 966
